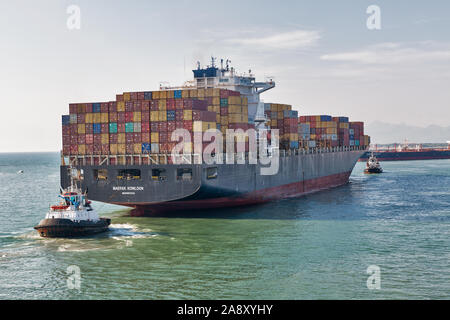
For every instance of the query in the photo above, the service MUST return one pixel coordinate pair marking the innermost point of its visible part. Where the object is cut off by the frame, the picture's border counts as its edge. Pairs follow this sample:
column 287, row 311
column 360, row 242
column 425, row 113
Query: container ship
column 404, row 153
column 121, row 149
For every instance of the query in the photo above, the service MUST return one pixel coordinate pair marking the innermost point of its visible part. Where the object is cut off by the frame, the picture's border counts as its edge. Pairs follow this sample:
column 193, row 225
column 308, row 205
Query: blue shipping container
column 148, row 95
column 170, row 115
column 97, row 128
column 146, row 148
column 96, row 107
column 177, row 94
column 294, row 144
column 65, row 119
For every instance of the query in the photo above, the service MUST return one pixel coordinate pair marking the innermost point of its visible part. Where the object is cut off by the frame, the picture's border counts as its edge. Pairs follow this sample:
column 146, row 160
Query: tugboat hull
column 373, row 170
column 66, row 228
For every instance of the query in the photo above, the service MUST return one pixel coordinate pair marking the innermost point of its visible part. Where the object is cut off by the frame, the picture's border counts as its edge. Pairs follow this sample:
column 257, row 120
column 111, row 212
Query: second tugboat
column 372, row 165
column 72, row 217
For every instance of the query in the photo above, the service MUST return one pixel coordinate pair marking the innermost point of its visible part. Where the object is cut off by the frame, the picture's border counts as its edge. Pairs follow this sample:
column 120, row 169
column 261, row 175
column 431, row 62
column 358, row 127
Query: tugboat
column 372, row 165
column 72, row 217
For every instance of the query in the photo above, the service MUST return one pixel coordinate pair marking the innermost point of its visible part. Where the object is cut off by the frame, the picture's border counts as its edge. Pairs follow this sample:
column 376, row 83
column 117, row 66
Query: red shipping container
column 66, row 129
column 73, row 149
column 66, row 140
column 97, row 149
column 88, row 107
column 121, row 128
column 128, row 116
column 154, row 105
column 154, row 126
column 73, row 139
column 134, row 95
column 129, row 137
column 187, row 104
column 89, row 149
column 141, row 95
column 137, row 138
column 129, row 148
column 224, row 93
column 171, row 126
column 179, row 124
column 170, row 104
column 112, row 106
column 74, row 128
column 162, row 126
column 81, row 118
column 223, row 111
column 66, row 150
column 104, row 107
column 128, row 106
column 179, row 104
column 90, row 138
column 105, row 148
column 145, row 116
column 113, row 138
column 163, row 148
column 82, row 139
column 179, row 114
column 104, row 128
column 171, row 146
column 163, row 136
column 97, row 139
column 145, row 106
column 187, row 124
column 121, row 117
column 145, row 126
column 137, row 106
column 73, row 108
column 145, row 137
column 119, row 97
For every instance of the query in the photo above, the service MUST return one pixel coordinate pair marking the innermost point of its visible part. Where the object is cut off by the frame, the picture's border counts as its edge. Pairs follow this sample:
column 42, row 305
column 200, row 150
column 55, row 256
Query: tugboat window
column 129, row 174
column 184, row 174
column 211, row 173
column 100, row 174
column 159, row 174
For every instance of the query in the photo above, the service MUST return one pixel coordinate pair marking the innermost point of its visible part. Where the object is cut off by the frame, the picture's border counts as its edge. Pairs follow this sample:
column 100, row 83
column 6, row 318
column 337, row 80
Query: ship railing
column 194, row 158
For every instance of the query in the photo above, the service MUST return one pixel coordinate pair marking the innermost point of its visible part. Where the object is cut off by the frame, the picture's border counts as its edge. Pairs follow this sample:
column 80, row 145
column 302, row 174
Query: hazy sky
column 321, row 54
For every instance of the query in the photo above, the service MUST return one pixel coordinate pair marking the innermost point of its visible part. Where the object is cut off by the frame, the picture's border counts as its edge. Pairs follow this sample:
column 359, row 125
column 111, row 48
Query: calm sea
column 314, row 247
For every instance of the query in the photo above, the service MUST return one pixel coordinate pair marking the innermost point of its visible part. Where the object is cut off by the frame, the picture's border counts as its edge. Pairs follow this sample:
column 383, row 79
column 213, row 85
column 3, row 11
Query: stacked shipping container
column 143, row 122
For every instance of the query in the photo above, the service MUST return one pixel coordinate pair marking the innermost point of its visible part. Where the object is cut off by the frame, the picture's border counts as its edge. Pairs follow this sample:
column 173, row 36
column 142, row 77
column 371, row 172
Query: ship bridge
column 226, row 77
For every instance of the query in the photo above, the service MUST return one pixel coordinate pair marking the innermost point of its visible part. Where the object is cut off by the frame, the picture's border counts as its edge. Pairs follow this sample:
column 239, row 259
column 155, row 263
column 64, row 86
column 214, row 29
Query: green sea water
column 315, row 247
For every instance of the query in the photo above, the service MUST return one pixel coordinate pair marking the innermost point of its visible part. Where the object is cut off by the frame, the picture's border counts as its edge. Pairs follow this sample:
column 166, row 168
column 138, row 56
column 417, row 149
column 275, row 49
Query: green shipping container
column 129, row 127
column 113, row 127
column 224, row 102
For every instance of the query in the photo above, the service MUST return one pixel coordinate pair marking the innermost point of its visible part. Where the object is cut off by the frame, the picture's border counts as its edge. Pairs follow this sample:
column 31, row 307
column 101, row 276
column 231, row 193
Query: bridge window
column 211, row 173
column 159, row 174
column 184, row 174
column 100, row 174
column 129, row 174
